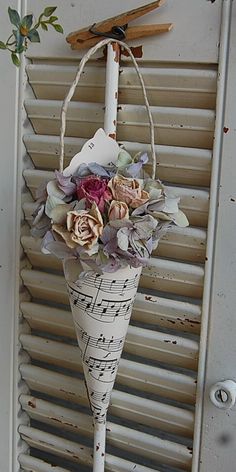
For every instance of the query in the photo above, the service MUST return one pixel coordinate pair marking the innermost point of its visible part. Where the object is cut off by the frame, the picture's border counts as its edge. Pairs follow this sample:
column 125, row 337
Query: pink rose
column 118, row 211
column 94, row 189
column 128, row 191
column 84, row 227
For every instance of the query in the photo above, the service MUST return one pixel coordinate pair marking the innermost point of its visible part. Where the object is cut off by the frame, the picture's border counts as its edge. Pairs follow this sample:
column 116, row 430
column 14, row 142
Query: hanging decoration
column 102, row 216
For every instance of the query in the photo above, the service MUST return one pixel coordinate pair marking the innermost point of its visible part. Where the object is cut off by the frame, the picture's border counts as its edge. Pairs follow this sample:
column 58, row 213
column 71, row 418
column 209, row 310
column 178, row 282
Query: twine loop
column 74, row 84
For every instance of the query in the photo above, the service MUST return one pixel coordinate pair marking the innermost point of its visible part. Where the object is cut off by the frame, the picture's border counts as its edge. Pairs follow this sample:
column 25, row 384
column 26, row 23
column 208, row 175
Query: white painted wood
column 173, row 126
column 177, row 315
column 169, row 453
column 30, row 463
column 12, row 116
column 218, row 440
column 180, row 165
column 67, row 356
column 111, row 96
column 160, row 347
column 189, row 99
column 200, row 23
column 168, row 276
column 77, row 453
column 163, row 382
column 175, row 420
column 166, row 86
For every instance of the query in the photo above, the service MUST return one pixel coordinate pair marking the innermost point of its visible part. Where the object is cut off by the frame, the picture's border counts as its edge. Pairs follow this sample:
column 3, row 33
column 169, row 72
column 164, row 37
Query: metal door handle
column 223, row 394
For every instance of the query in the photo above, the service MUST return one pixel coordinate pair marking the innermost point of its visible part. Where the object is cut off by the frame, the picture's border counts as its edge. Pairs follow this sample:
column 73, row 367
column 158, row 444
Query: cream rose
column 84, row 227
column 118, row 211
column 128, row 190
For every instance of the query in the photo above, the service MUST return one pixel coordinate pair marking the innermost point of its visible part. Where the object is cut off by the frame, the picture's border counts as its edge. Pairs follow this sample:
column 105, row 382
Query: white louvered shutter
column 152, row 412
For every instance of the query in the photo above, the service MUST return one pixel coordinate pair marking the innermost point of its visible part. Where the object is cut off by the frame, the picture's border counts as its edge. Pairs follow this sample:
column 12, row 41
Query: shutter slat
column 182, row 165
column 164, row 451
column 155, row 414
column 52, row 287
column 173, row 126
column 33, row 464
column 162, row 275
column 194, row 202
column 165, row 86
column 172, row 385
column 179, row 316
column 77, row 422
column 169, row 349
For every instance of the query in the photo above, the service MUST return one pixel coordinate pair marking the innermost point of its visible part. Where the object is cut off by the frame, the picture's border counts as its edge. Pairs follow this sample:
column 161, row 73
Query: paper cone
column 101, row 307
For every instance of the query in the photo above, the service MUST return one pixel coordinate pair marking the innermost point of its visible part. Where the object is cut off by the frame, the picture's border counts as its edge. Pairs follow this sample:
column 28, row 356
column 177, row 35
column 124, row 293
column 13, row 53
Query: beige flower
column 118, row 211
column 84, row 227
column 128, row 190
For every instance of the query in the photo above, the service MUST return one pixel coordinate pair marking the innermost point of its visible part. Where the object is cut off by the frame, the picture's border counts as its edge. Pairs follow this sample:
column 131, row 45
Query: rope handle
column 70, row 94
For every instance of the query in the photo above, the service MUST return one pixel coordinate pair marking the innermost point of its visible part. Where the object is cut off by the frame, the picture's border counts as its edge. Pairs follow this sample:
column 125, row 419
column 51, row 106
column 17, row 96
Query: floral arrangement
column 107, row 216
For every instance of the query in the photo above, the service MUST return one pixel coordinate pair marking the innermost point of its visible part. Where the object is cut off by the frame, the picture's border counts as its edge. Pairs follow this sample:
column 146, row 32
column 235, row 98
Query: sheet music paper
column 100, row 145
column 101, row 306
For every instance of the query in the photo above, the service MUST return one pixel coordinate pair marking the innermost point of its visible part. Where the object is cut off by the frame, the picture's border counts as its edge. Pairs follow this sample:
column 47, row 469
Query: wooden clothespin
column 118, row 28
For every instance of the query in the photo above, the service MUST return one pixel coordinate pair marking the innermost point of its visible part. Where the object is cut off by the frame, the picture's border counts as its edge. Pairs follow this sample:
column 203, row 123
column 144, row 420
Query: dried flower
column 103, row 214
column 84, row 227
column 94, row 189
column 118, row 211
column 128, row 191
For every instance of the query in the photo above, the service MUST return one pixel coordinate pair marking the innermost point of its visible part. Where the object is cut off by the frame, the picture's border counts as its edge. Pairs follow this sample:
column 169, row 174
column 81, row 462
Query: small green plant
column 26, row 30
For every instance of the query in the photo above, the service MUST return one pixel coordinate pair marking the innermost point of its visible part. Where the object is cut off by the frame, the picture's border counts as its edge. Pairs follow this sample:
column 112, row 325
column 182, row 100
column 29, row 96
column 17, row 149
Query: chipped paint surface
column 116, row 49
column 136, row 51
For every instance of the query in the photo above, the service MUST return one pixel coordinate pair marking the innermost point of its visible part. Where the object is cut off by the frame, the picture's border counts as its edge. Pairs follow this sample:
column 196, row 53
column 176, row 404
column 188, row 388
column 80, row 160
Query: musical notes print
column 100, row 369
column 103, row 397
column 108, row 285
column 104, row 309
column 101, row 342
column 101, row 306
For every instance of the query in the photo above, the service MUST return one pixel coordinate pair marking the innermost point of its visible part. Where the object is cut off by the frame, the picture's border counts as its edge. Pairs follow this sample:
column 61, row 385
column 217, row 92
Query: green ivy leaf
column 2, row 45
column 15, row 59
column 53, row 18
column 26, row 22
column 58, row 28
column 21, row 49
column 49, row 11
column 44, row 26
column 19, row 39
column 33, row 36
column 14, row 16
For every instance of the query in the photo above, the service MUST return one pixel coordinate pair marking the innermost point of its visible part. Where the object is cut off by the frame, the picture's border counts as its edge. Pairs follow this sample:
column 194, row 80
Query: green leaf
column 53, row 18
column 44, row 26
column 49, row 11
column 27, row 21
column 15, row 59
column 14, row 16
column 21, row 49
column 58, row 28
column 19, row 40
column 33, row 36
column 51, row 203
column 124, row 159
column 2, row 45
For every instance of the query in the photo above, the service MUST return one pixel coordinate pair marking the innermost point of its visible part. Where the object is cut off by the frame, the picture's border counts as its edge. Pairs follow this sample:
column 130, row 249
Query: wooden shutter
column 151, row 418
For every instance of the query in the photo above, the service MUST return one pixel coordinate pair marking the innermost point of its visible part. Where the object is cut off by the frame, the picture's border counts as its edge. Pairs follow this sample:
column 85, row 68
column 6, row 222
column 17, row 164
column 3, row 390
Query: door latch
column 223, row 394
